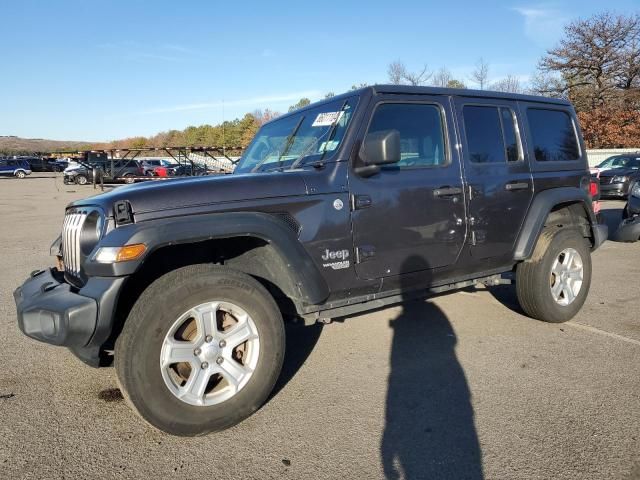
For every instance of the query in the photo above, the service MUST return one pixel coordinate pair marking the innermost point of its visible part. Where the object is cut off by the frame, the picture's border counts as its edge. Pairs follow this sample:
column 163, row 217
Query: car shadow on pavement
column 429, row 430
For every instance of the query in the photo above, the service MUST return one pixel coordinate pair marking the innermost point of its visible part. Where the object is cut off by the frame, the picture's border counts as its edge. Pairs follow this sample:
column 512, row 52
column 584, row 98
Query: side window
column 553, row 135
column 484, row 134
column 421, row 129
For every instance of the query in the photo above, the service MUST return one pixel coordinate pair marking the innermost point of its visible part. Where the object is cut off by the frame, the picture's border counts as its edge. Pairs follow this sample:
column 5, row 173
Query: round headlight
column 91, row 232
column 635, row 191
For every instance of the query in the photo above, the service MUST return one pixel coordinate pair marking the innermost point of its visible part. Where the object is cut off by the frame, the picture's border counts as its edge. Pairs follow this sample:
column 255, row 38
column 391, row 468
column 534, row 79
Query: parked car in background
column 14, row 167
column 149, row 164
column 616, row 182
column 37, row 164
column 180, row 170
column 45, row 164
column 112, row 171
column 616, row 161
column 629, row 229
column 59, row 164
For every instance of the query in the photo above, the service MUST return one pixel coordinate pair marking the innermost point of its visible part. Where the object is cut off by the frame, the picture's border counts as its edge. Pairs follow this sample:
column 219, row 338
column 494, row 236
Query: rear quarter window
column 553, row 135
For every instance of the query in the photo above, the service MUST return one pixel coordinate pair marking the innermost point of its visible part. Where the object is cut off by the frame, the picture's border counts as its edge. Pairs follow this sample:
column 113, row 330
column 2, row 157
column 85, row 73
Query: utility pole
column 223, row 138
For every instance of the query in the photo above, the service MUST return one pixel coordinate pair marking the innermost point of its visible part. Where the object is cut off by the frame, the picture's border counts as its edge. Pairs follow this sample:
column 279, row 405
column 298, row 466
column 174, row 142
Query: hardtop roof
column 464, row 92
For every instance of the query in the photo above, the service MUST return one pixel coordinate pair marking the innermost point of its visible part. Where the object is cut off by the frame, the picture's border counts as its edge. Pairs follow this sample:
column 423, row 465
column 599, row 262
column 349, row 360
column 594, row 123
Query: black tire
column 20, row 174
column 129, row 179
column 138, row 348
column 533, row 277
column 81, row 180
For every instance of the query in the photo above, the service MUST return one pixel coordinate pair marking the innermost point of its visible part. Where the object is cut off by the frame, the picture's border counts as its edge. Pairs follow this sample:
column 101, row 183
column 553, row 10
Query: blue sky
column 101, row 70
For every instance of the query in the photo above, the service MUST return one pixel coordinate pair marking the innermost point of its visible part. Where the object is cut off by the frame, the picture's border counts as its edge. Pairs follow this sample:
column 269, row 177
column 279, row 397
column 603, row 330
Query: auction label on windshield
column 327, row 119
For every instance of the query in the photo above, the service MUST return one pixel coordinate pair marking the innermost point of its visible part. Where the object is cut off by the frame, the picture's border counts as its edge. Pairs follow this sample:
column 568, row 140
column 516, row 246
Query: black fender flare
column 156, row 234
column 540, row 208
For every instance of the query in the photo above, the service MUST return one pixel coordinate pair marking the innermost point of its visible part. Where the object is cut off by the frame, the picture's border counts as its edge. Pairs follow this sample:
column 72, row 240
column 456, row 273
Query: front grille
column 71, row 229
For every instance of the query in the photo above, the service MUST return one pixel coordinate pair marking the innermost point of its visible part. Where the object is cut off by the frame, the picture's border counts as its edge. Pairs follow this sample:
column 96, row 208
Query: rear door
column 4, row 168
column 410, row 216
column 500, row 185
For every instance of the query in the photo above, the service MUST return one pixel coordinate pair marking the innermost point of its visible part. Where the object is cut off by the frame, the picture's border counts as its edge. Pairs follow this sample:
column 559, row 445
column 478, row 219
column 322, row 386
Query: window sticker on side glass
column 326, row 119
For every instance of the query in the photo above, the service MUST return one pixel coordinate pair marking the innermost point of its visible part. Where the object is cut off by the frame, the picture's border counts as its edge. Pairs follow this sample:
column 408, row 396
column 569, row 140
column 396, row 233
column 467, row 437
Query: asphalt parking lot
column 461, row 386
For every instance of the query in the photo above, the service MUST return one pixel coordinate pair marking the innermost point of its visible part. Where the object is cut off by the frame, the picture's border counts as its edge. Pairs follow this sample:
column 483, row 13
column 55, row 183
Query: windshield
column 613, row 162
column 309, row 136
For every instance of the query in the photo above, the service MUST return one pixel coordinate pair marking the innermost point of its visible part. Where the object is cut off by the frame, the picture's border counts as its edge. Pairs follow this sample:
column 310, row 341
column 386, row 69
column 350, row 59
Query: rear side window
column 491, row 134
column 421, row 131
column 553, row 135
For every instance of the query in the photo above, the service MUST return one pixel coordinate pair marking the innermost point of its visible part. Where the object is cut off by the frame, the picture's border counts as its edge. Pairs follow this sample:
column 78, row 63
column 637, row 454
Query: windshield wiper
column 331, row 133
column 287, row 146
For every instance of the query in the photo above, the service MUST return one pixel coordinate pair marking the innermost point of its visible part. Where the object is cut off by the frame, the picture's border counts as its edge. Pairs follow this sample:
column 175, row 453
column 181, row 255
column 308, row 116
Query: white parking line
column 591, row 329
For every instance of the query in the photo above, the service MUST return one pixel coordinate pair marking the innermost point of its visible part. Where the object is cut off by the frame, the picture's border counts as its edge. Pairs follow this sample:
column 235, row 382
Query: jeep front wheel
column 553, row 284
column 201, row 350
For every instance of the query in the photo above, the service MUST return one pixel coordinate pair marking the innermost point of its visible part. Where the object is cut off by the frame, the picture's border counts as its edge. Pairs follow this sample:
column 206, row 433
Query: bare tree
column 480, row 75
column 442, row 78
column 509, row 84
column 598, row 60
column 399, row 74
column 546, row 84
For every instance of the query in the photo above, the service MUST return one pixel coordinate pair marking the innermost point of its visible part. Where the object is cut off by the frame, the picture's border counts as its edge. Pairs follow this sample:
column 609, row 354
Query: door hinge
column 472, row 238
column 364, row 253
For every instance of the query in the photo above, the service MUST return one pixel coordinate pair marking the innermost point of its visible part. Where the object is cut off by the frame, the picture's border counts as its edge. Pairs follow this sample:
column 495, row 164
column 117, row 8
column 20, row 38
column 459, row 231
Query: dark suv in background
column 111, row 170
column 366, row 199
column 621, row 174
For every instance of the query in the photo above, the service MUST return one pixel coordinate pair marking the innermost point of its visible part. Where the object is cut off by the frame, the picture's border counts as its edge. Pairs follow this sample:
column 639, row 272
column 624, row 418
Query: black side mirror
column 379, row 148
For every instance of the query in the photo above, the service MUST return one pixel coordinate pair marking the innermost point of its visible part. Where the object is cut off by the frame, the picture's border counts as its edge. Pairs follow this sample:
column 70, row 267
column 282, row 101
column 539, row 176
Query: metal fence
column 597, row 156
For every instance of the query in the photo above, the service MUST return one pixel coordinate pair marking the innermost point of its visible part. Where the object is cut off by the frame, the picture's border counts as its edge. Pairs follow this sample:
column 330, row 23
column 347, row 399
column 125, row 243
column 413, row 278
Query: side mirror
column 379, row 148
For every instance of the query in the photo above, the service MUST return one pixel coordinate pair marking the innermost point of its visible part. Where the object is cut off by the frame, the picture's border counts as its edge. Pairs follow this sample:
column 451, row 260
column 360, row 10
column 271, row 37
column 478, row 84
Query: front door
column 411, row 215
column 500, row 185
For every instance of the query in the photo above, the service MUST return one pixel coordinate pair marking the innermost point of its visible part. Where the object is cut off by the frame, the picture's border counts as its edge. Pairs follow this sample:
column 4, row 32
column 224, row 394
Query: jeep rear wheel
column 201, row 350
column 553, row 284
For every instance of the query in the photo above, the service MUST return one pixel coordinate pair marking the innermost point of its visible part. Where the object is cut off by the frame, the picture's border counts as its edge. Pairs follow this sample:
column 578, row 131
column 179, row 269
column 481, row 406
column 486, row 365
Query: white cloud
column 542, row 23
column 255, row 101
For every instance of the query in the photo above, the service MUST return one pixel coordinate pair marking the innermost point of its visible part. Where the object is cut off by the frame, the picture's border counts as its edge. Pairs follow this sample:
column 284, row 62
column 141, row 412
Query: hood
column 156, row 196
column 612, row 172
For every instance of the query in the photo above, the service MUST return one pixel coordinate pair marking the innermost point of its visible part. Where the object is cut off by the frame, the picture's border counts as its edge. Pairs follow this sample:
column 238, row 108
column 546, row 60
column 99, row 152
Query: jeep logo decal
column 339, row 255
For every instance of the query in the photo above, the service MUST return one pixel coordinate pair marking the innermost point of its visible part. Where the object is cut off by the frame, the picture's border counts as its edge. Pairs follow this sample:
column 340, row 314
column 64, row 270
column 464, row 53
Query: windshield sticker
column 326, row 119
column 328, row 146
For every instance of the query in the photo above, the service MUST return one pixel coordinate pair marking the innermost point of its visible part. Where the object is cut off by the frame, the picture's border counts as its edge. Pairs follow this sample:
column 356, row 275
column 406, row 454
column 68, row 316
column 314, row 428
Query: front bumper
column 614, row 190
column 52, row 311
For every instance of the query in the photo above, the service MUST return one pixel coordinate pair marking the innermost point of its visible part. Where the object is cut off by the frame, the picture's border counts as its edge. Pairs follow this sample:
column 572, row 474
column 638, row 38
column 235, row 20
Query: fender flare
column 542, row 205
column 156, row 234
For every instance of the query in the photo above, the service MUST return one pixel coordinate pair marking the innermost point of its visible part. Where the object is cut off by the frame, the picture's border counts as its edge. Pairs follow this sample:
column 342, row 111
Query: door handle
column 516, row 186
column 447, row 191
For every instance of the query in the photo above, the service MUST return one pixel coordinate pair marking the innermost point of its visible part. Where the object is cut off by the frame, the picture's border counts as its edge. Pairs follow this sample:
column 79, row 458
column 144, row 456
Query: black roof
column 465, row 92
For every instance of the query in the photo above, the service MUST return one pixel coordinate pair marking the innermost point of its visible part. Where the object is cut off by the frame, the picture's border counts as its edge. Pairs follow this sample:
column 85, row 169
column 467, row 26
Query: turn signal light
column 130, row 252
column 120, row 254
